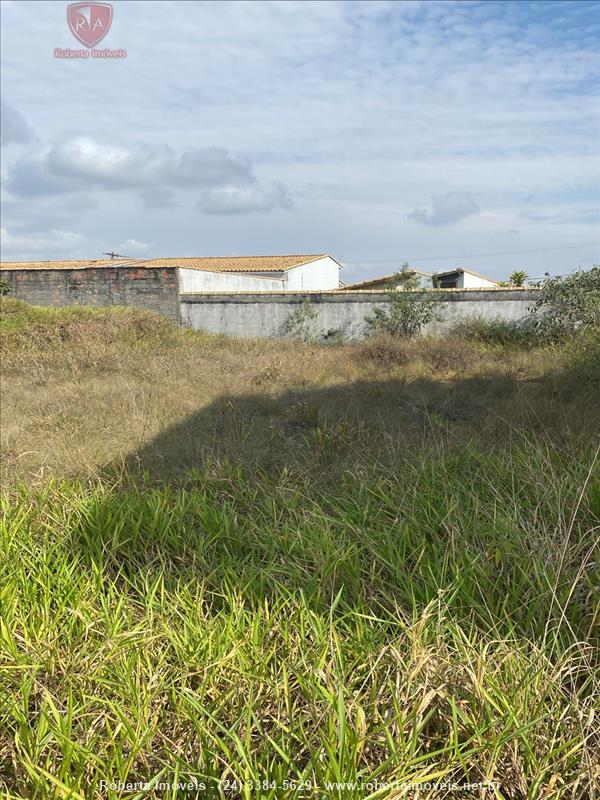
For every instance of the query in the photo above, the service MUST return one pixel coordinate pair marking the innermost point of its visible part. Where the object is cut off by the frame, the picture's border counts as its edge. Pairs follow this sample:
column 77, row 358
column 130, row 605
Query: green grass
column 498, row 332
column 435, row 625
column 41, row 328
column 373, row 566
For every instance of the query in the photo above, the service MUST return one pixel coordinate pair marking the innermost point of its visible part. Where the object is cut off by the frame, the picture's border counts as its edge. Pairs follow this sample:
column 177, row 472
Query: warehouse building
column 157, row 284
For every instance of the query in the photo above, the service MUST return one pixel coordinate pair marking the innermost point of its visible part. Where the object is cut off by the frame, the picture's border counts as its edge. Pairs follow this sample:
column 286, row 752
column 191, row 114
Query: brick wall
column 153, row 289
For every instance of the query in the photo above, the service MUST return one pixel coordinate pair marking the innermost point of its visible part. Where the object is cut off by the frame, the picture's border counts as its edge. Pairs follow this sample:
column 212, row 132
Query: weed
column 300, row 323
column 498, row 332
column 568, row 304
column 405, row 313
column 269, row 374
column 395, row 627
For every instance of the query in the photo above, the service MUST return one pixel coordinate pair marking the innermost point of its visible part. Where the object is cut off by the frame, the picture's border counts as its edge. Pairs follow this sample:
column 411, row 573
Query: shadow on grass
column 325, row 431
column 388, row 495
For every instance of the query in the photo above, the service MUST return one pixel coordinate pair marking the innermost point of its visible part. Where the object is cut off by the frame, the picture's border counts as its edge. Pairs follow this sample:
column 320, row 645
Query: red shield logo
column 89, row 22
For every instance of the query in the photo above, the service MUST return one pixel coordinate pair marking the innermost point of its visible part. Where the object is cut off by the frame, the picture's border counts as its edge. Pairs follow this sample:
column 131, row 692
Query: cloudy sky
column 442, row 133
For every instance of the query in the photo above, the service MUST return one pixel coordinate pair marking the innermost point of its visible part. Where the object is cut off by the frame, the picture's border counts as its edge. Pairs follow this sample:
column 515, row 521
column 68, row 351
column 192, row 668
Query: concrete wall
column 324, row 273
column 154, row 289
column 277, row 274
column 247, row 314
column 265, row 316
column 197, row 280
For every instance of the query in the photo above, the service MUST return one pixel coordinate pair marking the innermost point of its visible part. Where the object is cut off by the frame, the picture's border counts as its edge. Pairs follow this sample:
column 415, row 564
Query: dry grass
column 85, row 388
column 324, row 568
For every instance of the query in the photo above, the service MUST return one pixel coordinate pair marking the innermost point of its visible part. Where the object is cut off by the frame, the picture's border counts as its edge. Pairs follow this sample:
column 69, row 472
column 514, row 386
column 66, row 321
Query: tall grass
column 498, row 332
column 275, row 570
column 432, row 626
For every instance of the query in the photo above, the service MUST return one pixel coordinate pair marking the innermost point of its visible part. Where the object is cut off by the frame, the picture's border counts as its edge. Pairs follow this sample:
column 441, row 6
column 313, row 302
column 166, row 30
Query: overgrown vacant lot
column 287, row 570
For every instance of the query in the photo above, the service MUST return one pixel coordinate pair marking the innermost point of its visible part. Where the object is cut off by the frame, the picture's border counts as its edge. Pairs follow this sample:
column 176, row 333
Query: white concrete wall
column 264, row 316
column 315, row 275
column 468, row 281
column 197, row 280
column 324, row 273
column 273, row 274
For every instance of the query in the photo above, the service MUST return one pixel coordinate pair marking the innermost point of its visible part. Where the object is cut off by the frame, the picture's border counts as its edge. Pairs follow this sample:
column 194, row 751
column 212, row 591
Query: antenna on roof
column 113, row 255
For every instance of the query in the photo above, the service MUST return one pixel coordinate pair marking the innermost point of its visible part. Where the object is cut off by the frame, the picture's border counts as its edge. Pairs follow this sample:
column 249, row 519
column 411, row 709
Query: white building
column 461, row 278
column 290, row 273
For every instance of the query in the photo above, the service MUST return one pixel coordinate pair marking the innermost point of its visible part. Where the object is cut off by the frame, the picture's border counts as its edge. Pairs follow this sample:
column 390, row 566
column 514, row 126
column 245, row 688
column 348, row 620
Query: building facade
column 461, row 278
column 157, row 284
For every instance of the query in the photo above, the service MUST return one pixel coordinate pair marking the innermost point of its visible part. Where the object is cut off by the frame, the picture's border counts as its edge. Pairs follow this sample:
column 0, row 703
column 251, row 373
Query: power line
column 476, row 255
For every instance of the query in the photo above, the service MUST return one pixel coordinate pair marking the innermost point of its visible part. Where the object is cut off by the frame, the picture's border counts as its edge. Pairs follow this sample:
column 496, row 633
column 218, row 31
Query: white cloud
column 245, row 200
column 363, row 110
column 14, row 128
column 133, row 247
column 47, row 212
column 77, row 163
column 154, row 197
column 52, row 243
column 446, row 209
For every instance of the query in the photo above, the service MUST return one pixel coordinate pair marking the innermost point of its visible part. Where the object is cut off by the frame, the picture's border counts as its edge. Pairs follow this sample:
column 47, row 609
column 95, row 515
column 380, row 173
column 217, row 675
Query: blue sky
column 436, row 132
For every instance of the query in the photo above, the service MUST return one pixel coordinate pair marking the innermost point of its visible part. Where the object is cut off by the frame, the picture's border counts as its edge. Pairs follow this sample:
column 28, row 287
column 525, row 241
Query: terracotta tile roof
column 237, row 263
column 55, row 264
column 384, row 278
column 211, row 264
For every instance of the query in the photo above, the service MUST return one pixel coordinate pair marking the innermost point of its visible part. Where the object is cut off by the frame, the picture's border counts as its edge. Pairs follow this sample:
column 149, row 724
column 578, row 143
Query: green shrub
column 300, row 324
column 4, row 287
column 497, row 332
column 405, row 314
column 568, row 305
column 564, row 307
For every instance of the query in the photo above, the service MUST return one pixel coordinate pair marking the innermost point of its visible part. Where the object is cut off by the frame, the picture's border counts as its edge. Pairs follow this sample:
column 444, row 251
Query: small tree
column 407, row 279
column 518, row 277
column 407, row 311
column 300, row 323
column 568, row 304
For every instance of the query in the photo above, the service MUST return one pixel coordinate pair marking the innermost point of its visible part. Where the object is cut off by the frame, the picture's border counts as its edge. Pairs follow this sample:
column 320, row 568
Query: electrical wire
column 475, row 255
